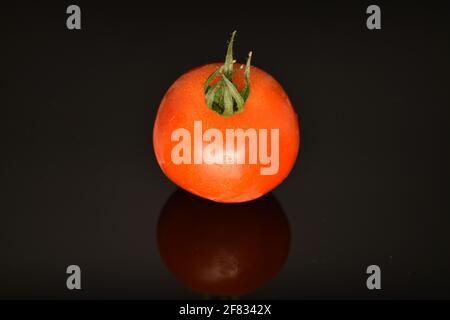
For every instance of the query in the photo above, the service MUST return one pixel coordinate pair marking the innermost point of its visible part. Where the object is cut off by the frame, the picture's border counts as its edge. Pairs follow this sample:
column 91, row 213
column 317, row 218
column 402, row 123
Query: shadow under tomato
column 223, row 249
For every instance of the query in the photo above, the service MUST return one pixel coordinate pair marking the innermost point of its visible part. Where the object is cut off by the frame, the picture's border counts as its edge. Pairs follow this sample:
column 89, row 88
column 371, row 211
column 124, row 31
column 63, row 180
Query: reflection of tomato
column 223, row 249
column 267, row 107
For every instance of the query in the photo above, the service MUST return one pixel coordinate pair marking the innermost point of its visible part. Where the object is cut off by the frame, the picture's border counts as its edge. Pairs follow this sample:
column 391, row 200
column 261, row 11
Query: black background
column 80, row 184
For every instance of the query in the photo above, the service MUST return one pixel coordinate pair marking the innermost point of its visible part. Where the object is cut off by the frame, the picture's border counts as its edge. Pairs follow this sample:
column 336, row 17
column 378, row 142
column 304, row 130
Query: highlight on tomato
column 223, row 250
column 226, row 132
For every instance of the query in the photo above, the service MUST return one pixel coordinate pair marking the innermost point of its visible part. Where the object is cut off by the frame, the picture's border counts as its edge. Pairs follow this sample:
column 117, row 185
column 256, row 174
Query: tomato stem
column 223, row 96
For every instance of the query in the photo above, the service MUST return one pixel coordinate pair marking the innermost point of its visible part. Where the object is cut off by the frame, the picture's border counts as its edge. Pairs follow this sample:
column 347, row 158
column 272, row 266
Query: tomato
column 227, row 132
column 223, row 249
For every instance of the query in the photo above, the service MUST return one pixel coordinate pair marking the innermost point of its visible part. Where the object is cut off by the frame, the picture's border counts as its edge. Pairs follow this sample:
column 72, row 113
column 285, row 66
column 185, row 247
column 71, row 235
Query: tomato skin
column 223, row 249
column 268, row 107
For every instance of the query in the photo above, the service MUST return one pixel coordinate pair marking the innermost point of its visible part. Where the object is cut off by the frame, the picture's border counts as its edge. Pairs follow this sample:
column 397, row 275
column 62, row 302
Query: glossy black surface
column 80, row 184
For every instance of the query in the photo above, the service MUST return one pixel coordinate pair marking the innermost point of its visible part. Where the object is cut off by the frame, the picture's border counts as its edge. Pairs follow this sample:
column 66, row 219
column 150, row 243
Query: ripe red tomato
column 223, row 250
column 227, row 133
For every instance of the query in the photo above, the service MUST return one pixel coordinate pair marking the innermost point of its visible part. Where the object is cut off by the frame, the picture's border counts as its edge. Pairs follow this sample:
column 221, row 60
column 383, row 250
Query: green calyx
column 223, row 96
